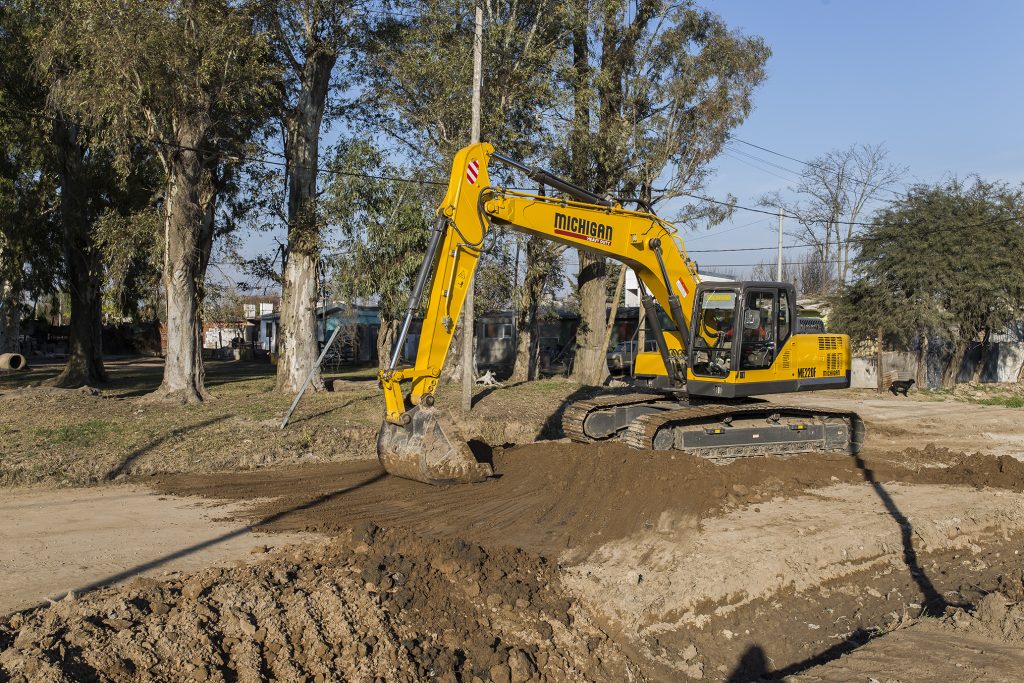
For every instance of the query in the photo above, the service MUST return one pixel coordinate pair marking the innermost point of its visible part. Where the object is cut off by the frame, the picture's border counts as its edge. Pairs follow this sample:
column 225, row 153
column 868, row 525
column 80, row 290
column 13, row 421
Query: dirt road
column 72, row 540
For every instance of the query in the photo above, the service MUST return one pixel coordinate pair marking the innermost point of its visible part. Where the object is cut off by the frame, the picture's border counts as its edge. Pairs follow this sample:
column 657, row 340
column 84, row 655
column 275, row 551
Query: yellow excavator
column 719, row 344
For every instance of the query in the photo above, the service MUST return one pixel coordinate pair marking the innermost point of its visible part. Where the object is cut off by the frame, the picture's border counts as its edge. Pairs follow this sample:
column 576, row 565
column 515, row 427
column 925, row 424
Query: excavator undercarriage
column 720, row 432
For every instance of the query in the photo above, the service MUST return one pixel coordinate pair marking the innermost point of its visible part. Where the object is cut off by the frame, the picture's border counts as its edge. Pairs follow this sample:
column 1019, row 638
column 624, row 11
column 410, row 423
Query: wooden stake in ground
column 468, row 323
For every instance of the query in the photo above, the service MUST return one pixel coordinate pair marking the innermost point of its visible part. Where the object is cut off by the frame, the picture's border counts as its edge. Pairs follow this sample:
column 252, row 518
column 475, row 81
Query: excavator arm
column 420, row 442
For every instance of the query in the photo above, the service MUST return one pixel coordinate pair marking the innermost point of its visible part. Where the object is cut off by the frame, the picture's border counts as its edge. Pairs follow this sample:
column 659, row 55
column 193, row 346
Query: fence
column 1005, row 359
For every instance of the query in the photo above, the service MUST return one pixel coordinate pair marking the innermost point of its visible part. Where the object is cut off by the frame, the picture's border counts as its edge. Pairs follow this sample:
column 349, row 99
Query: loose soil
column 995, row 630
column 577, row 563
column 370, row 605
column 690, row 565
column 566, row 500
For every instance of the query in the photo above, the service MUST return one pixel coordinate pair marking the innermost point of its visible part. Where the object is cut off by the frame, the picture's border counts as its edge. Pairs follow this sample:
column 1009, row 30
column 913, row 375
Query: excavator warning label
column 472, row 171
column 582, row 229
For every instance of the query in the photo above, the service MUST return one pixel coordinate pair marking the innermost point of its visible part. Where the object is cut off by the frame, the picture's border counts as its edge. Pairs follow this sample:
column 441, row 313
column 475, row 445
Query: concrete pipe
column 12, row 361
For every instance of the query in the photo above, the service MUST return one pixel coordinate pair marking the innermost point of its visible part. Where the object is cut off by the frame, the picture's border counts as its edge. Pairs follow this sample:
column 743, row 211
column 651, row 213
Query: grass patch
column 86, row 433
column 1005, row 401
column 68, row 438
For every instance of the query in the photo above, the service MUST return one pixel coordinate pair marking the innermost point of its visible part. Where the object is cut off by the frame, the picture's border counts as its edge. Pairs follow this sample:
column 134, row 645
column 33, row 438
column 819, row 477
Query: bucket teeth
column 429, row 449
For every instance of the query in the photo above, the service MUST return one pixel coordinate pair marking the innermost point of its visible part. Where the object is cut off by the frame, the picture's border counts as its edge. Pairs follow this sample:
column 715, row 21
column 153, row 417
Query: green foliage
column 385, row 227
column 945, row 259
column 29, row 232
column 1005, row 401
column 419, row 70
column 169, row 72
column 132, row 254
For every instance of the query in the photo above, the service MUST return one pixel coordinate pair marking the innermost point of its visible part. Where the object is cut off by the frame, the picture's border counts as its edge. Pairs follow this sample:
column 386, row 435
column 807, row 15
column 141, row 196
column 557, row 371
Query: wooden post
column 468, row 316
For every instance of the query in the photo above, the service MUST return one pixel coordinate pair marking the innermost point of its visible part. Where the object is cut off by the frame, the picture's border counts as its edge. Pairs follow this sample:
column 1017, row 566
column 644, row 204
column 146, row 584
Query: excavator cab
column 740, row 326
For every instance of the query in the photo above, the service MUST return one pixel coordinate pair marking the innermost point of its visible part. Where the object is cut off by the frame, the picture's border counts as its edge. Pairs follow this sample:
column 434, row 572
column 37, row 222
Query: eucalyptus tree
column 29, row 231
column 652, row 91
column 419, row 65
column 192, row 81
column 384, row 232
column 313, row 41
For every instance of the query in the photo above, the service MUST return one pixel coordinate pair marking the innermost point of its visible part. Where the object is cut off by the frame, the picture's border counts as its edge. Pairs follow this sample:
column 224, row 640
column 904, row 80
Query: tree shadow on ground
column 488, row 390
column 297, row 419
column 240, row 531
column 130, row 459
column 231, row 372
column 753, row 664
column 933, row 603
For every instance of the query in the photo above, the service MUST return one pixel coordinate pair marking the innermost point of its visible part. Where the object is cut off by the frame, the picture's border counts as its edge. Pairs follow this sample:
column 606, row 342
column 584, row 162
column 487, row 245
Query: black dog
column 901, row 386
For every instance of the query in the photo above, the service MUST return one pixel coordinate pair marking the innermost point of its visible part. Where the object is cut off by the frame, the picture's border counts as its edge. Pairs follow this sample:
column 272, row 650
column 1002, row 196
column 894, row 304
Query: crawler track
column 643, row 432
column 576, row 414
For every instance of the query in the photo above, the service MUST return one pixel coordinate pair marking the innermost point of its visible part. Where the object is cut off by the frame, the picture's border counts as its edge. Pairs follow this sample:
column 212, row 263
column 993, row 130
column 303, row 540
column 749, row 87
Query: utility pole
column 778, row 268
column 468, row 317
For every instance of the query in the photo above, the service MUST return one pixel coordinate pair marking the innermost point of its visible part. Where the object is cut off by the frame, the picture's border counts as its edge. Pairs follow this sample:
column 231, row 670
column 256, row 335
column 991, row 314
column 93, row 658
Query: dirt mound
column 565, row 500
column 368, row 605
column 997, row 615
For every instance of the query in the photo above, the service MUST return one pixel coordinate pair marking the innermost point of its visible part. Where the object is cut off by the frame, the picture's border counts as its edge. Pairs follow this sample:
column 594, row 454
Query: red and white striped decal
column 682, row 287
column 472, row 171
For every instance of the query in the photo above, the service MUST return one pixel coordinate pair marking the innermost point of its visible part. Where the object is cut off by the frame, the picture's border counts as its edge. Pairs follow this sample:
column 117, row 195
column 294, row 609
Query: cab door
column 766, row 318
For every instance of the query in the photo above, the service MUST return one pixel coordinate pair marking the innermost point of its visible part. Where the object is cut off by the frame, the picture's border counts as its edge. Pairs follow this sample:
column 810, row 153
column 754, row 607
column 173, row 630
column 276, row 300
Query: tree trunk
column 541, row 256
column 983, row 358
column 953, row 369
column 10, row 318
column 879, row 361
column 83, row 265
column 298, row 343
column 297, row 347
column 591, row 364
column 386, row 341
column 922, row 361
column 188, row 240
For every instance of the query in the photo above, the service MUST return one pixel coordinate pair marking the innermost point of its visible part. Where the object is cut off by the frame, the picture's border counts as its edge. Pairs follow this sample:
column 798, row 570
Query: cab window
column 759, row 319
column 716, row 333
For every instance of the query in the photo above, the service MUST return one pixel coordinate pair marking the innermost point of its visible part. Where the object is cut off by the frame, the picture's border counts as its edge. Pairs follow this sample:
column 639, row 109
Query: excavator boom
column 421, row 442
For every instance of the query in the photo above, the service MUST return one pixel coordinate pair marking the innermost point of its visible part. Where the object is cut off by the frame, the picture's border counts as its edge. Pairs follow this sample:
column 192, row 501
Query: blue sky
column 938, row 82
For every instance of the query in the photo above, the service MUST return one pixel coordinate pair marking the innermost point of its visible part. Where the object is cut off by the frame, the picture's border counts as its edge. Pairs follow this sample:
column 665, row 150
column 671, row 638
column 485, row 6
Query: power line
column 439, row 183
column 813, row 165
column 712, row 233
column 752, row 164
column 718, row 251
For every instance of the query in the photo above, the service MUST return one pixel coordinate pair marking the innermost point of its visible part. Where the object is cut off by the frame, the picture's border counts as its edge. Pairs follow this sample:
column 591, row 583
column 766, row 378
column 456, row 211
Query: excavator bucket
column 430, row 448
